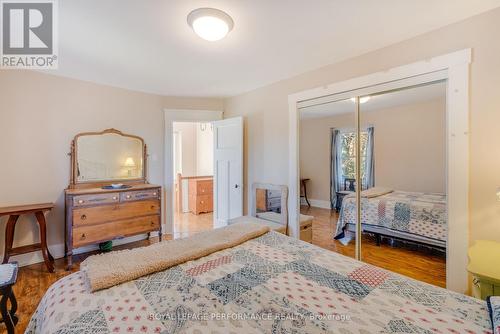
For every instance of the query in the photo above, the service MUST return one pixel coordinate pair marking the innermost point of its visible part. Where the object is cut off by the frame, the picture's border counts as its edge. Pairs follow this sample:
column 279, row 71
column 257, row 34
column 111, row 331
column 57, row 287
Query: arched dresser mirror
column 109, row 197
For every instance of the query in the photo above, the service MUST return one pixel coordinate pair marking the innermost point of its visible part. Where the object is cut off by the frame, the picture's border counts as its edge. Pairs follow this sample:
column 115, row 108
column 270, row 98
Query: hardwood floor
column 187, row 223
column 421, row 264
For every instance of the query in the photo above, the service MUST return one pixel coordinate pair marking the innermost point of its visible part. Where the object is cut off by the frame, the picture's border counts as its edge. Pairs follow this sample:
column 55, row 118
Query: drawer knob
column 202, row 202
column 83, row 217
column 128, row 197
column 152, row 207
column 154, row 194
column 152, row 223
column 80, row 201
column 83, row 236
column 115, row 198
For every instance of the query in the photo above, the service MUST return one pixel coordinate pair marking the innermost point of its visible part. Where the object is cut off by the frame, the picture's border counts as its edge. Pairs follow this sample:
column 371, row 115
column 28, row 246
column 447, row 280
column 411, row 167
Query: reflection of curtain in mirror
column 335, row 166
column 369, row 181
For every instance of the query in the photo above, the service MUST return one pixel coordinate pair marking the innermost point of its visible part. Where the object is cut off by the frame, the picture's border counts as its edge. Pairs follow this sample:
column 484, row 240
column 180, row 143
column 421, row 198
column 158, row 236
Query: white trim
column 171, row 116
column 456, row 67
column 316, row 203
column 57, row 251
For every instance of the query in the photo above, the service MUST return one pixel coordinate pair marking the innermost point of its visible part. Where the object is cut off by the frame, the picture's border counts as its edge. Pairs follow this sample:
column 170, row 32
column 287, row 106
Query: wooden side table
column 8, row 277
column 14, row 212
column 340, row 198
column 484, row 265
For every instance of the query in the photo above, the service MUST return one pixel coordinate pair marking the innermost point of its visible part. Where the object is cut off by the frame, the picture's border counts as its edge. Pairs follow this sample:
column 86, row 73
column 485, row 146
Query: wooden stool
column 14, row 212
column 8, row 277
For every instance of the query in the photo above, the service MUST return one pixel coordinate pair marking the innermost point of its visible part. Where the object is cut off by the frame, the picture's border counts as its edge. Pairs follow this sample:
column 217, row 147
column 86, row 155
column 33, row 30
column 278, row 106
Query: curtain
column 369, row 180
column 335, row 166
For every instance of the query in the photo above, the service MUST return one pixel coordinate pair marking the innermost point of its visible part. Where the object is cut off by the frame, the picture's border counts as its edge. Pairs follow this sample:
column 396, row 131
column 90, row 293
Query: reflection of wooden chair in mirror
column 349, row 184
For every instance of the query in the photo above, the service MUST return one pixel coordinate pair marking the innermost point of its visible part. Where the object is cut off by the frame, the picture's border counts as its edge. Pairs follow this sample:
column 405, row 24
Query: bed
column 411, row 216
column 270, row 283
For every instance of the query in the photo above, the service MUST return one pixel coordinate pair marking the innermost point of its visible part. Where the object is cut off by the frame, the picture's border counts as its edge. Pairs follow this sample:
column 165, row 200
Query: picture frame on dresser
column 109, row 196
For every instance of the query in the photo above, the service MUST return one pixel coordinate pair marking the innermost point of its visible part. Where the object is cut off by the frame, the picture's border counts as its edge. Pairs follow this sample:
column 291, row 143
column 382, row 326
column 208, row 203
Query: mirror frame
column 284, row 200
column 74, row 183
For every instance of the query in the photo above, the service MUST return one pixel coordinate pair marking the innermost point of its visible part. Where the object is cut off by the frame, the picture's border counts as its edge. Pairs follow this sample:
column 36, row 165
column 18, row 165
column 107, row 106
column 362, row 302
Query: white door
column 228, row 170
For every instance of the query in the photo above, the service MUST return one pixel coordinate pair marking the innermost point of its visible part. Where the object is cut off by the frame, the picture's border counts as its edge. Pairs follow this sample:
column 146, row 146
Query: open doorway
column 193, row 155
column 178, row 160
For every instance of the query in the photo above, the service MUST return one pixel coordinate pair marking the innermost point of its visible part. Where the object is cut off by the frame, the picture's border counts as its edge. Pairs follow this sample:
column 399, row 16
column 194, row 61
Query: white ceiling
column 378, row 102
column 148, row 46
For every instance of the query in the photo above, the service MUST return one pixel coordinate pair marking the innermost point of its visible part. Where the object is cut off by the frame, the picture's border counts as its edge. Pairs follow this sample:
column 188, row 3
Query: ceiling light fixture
column 362, row 100
column 210, row 24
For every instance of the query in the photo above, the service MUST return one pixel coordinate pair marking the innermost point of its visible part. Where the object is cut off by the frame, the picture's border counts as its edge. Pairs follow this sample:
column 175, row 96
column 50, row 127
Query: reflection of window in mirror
column 347, row 158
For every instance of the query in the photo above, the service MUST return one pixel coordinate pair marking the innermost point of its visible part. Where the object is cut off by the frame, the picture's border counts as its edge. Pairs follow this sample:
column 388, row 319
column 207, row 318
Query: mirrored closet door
column 403, row 177
column 373, row 175
column 328, row 168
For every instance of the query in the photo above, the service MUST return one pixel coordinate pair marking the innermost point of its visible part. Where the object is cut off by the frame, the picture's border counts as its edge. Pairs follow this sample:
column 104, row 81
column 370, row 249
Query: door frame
column 456, row 68
column 171, row 116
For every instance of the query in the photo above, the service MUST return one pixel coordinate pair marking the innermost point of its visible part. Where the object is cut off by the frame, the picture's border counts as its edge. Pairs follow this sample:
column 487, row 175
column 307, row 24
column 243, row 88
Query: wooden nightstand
column 8, row 277
column 340, row 198
column 484, row 265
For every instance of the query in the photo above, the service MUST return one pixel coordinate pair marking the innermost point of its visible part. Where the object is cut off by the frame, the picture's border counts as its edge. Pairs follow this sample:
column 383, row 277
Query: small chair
column 279, row 221
column 8, row 277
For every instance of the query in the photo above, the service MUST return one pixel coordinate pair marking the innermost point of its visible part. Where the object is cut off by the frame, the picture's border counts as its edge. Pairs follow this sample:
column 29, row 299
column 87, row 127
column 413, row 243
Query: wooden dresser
column 109, row 196
column 95, row 215
column 201, row 195
column 268, row 200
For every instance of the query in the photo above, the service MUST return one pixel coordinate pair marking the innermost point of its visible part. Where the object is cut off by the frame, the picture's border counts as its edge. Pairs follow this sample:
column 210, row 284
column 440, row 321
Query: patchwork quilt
column 414, row 213
column 270, row 284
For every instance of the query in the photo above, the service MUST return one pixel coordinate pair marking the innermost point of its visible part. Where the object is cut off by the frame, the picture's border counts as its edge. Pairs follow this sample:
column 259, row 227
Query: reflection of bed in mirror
column 409, row 216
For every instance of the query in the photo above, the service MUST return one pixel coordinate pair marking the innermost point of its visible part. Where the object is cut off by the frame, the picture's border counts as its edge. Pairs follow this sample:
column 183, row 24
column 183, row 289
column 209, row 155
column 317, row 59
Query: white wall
column 204, row 150
column 187, row 132
column 197, row 148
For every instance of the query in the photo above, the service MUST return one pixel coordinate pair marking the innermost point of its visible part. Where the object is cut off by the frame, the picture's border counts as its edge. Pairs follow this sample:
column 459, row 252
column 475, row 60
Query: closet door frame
column 452, row 67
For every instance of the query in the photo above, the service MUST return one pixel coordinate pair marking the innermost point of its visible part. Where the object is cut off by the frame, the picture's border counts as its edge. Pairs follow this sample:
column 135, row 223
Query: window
column 348, row 155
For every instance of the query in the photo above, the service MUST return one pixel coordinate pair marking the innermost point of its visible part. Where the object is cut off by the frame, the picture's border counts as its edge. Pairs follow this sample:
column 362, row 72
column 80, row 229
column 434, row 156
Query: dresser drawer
column 104, row 213
column 139, row 195
column 273, row 203
column 200, row 187
column 204, row 203
column 204, row 187
column 93, row 199
column 84, row 235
